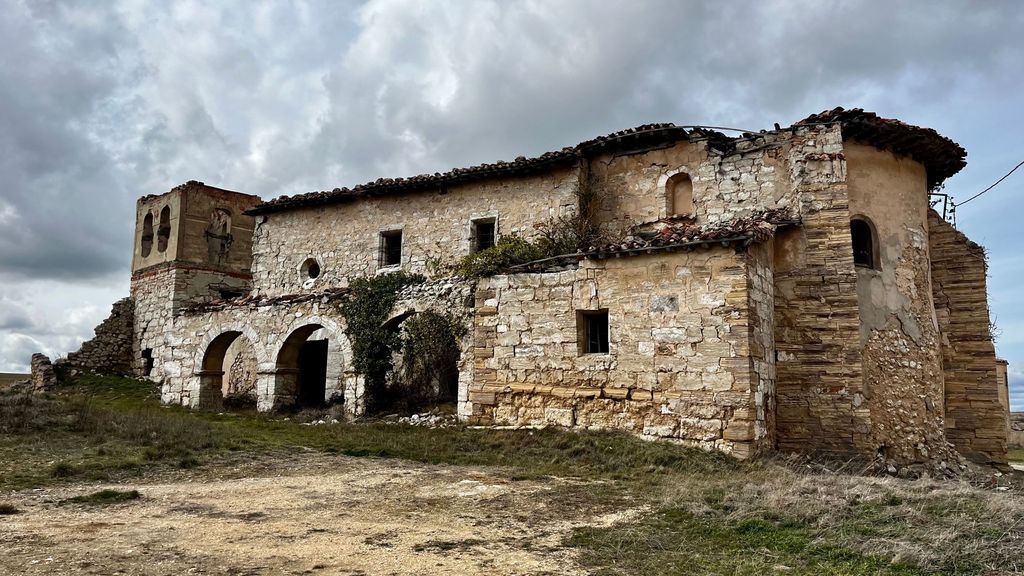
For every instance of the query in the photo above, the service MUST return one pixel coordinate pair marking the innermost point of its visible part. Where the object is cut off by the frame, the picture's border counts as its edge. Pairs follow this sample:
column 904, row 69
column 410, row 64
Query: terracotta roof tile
column 941, row 156
column 633, row 138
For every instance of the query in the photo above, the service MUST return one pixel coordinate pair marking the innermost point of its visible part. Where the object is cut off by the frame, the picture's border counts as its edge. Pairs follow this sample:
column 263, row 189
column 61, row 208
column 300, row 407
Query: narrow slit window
column 390, row 248
column 484, row 232
column 592, row 326
column 862, row 235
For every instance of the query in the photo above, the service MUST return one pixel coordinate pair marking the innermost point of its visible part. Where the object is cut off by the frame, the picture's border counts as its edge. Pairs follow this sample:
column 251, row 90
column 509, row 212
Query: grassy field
column 706, row 513
column 1017, row 455
column 7, row 378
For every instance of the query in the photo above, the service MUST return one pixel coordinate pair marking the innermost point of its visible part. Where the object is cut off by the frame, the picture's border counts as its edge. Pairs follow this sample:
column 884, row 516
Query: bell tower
column 193, row 244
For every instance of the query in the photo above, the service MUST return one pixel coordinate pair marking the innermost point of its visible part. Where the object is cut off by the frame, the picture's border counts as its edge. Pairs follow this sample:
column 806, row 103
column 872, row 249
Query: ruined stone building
column 789, row 289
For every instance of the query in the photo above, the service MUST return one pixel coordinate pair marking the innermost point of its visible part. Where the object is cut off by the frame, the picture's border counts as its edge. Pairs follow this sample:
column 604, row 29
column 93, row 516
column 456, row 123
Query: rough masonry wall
column 764, row 171
column 110, row 351
column 817, row 326
column 975, row 422
column 240, row 371
column 679, row 363
column 152, row 294
column 761, row 306
column 902, row 365
column 345, row 238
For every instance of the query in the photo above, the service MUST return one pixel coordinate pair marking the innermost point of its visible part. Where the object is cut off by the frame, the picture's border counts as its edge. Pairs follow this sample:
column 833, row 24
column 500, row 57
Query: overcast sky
column 101, row 103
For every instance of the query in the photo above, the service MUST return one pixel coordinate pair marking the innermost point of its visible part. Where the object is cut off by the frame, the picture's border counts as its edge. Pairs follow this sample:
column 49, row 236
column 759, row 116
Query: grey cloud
column 105, row 101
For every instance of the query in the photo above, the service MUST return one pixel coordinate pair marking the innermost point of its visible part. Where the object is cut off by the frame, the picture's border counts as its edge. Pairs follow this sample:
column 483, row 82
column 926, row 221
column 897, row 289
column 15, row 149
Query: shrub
column 509, row 251
column 63, row 470
column 104, row 497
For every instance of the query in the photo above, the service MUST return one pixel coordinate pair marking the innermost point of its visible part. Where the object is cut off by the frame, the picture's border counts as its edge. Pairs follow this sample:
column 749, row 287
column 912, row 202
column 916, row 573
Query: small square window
column 390, row 248
column 484, row 232
column 592, row 327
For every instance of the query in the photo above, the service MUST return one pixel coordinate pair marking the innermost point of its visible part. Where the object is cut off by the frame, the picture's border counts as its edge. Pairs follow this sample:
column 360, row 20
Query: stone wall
column 110, row 351
column 902, row 364
column 820, row 395
column 680, row 349
column 764, row 171
column 43, row 377
column 153, row 295
column 975, row 421
column 436, row 227
column 240, row 370
column 761, row 304
column 238, row 346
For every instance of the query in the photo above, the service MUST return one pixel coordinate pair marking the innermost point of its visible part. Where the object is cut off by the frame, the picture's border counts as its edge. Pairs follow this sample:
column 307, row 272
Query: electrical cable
column 993, row 185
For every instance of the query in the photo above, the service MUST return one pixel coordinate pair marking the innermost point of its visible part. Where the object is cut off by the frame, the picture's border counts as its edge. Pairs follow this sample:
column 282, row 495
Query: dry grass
column 6, row 378
column 773, row 515
column 707, row 512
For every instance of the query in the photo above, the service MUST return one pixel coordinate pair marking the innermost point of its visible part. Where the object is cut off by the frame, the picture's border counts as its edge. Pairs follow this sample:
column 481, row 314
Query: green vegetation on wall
column 373, row 344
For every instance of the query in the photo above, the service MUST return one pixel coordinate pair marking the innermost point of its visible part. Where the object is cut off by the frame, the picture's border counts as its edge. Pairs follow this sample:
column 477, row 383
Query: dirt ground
column 311, row 515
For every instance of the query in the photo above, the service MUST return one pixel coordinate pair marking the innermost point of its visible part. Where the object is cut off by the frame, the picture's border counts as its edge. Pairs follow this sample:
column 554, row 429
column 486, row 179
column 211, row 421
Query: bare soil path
column 314, row 514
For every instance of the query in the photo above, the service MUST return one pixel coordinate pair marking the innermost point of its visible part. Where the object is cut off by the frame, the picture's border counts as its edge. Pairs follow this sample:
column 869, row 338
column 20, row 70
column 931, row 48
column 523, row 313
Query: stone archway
column 311, row 366
column 208, row 384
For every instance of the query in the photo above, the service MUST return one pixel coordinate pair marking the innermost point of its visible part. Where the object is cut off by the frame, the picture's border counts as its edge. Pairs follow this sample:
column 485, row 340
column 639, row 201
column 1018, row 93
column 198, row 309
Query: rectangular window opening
column 390, row 248
column 592, row 326
column 484, row 234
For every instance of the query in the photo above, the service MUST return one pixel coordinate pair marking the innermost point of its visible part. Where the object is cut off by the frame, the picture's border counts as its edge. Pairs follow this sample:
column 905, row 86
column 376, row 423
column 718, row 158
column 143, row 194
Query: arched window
column 865, row 246
column 163, row 234
column 147, row 234
column 679, row 193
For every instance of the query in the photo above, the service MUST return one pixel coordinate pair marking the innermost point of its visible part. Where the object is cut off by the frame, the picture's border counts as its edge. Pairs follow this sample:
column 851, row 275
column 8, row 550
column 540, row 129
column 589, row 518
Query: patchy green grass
column 698, row 513
column 104, row 497
column 114, row 428
column 1016, row 455
column 677, row 541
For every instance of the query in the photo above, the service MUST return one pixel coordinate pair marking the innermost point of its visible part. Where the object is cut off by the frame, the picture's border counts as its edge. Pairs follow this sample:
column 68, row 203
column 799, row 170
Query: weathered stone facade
column 680, row 362
column 802, row 333
column 975, row 420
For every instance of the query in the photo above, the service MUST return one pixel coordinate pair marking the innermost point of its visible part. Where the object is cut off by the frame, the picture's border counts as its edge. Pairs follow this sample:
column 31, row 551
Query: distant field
column 6, row 378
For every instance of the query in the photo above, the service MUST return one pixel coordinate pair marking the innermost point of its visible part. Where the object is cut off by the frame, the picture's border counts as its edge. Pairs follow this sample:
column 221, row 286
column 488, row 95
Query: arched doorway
column 425, row 372
column 302, row 366
column 233, row 354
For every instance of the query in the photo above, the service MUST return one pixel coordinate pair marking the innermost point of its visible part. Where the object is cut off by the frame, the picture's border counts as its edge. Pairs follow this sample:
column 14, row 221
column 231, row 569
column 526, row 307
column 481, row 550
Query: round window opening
column 311, row 268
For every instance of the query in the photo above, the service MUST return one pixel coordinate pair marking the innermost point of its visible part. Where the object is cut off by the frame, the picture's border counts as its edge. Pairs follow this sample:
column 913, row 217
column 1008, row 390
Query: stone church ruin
column 790, row 289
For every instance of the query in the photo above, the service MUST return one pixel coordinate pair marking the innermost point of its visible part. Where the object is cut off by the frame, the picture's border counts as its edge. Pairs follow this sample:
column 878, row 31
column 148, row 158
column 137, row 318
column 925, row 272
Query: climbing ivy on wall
column 429, row 371
column 365, row 311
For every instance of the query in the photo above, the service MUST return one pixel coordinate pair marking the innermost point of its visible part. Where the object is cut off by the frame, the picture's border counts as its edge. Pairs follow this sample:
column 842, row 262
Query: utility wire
column 993, row 185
